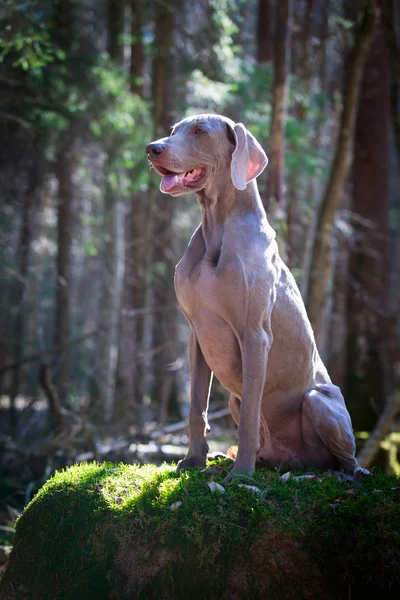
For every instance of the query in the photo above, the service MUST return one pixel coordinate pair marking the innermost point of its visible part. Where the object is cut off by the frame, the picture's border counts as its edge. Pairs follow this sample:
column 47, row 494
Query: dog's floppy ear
column 248, row 158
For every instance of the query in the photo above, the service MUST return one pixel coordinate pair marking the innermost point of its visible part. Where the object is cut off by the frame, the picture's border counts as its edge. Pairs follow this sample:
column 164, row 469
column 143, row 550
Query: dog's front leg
column 200, row 384
column 254, row 365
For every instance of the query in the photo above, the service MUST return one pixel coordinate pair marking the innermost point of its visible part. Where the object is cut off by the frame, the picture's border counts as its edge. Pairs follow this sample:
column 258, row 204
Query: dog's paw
column 359, row 473
column 240, row 473
column 191, row 462
column 228, row 479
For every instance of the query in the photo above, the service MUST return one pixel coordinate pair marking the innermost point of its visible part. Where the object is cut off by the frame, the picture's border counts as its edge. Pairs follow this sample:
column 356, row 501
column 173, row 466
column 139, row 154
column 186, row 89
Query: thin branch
column 9, row 117
column 81, row 338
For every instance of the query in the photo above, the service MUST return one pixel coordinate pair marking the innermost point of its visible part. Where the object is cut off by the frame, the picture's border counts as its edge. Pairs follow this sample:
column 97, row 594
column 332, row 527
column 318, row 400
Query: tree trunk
column 137, row 47
column 391, row 21
column 116, row 14
column 65, row 167
column 128, row 402
column 337, row 332
column 130, row 384
column 30, row 205
column 320, row 273
column 306, row 45
column 265, row 31
column 66, row 18
column 295, row 228
column 164, row 323
column 115, row 212
column 275, row 190
column 368, row 300
column 115, row 238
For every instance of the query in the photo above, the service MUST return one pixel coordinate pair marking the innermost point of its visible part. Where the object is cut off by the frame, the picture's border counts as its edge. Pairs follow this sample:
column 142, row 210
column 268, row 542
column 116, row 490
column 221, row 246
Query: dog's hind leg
column 325, row 408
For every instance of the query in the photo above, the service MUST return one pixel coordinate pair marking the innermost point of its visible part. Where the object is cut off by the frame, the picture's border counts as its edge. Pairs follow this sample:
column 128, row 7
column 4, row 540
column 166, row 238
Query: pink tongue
column 167, row 183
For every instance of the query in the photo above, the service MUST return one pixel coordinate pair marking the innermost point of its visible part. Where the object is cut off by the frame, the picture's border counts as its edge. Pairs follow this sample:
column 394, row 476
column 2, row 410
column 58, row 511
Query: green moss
column 96, row 530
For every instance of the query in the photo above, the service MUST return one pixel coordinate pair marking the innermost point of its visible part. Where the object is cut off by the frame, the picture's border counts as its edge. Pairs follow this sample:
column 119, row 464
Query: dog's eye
column 199, row 131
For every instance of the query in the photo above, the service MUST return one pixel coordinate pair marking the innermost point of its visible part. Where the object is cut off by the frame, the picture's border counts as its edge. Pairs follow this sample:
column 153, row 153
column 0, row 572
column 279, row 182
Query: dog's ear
column 248, row 158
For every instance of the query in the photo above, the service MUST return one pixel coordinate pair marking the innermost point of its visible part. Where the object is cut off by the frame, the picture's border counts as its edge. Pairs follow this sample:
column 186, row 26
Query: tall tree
column 66, row 161
column 65, row 167
column 283, row 10
column 391, row 20
column 265, row 21
column 30, row 205
column 164, row 322
column 115, row 23
column 133, row 299
column 368, row 298
column 115, row 239
column 138, row 56
column 320, row 272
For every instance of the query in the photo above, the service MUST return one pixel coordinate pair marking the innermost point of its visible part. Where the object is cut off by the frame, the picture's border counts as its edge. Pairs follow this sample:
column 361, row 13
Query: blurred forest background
column 92, row 343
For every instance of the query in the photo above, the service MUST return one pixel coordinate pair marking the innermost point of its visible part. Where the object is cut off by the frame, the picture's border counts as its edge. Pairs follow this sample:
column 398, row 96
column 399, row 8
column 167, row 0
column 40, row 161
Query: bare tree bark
column 306, row 45
column 265, row 31
column 30, row 204
column 115, row 213
column 391, row 21
column 337, row 331
column 66, row 159
column 129, row 374
column 283, row 11
column 115, row 21
column 320, row 272
column 164, row 325
column 115, row 245
column 65, row 166
column 308, row 61
column 137, row 47
column 367, row 380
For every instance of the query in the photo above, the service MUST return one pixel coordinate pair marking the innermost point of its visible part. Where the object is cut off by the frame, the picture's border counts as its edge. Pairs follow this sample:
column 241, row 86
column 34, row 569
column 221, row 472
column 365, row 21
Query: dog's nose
column 154, row 149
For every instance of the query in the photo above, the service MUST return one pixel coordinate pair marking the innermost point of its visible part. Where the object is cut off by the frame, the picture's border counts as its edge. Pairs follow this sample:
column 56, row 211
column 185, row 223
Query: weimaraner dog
column 248, row 323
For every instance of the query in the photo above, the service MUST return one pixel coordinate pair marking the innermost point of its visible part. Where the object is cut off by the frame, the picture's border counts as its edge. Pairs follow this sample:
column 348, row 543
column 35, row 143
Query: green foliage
column 206, row 95
column 24, row 36
column 91, row 514
column 225, row 30
column 88, row 88
column 122, row 121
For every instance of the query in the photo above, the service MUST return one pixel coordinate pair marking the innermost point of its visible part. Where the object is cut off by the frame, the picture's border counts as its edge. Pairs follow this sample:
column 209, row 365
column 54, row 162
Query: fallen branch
column 381, row 430
column 218, row 414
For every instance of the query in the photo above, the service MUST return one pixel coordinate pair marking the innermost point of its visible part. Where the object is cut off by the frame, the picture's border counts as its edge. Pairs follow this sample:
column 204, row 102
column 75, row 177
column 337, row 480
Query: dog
column 248, row 323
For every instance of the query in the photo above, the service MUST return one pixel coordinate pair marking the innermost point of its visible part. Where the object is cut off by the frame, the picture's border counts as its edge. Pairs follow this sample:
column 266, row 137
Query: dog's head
column 206, row 151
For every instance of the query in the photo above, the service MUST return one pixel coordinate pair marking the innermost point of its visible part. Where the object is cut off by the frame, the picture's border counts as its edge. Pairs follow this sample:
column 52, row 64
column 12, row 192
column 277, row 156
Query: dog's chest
column 207, row 309
column 194, row 285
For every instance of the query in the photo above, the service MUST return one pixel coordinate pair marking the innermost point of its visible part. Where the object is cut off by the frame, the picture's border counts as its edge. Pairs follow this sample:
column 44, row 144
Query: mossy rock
column 103, row 531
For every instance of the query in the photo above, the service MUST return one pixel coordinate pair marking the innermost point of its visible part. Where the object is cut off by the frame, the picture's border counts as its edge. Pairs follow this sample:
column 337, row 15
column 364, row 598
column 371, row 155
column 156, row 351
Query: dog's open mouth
column 186, row 179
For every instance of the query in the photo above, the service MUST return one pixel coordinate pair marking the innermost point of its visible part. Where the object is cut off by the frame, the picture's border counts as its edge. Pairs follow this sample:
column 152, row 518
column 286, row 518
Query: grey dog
column 248, row 323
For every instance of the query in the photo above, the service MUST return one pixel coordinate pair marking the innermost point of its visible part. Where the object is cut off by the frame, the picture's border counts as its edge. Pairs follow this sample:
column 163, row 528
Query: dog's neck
column 221, row 209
